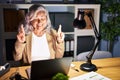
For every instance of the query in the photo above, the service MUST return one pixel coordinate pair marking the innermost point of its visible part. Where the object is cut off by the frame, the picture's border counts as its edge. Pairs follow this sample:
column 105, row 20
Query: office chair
column 97, row 55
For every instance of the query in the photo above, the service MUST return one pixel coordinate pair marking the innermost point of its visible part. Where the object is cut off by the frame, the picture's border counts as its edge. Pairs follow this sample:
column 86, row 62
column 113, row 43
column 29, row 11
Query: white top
column 40, row 49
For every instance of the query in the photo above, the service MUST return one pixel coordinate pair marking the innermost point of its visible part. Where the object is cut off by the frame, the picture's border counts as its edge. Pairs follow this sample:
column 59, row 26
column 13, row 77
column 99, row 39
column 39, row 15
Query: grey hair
column 33, row 10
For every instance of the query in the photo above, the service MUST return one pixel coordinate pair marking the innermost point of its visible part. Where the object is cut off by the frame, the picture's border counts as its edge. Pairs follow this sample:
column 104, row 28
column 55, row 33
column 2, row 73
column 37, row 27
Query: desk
column 109, row 67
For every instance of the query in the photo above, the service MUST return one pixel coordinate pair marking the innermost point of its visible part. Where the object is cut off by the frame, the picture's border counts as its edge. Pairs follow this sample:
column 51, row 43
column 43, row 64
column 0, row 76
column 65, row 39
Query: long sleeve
column 59, row 50
column 19, row 48
column 58, row 47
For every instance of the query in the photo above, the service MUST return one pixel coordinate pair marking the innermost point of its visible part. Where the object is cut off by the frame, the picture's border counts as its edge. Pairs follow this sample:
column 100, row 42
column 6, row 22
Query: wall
column 116, row 46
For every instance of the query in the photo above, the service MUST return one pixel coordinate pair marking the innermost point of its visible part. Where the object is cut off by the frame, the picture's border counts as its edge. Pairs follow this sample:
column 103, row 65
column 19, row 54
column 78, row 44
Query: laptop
column 46, row 69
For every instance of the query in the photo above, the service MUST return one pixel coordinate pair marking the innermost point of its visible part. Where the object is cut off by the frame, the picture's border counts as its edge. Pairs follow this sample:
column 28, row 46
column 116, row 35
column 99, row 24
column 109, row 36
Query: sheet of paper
column 90, row 76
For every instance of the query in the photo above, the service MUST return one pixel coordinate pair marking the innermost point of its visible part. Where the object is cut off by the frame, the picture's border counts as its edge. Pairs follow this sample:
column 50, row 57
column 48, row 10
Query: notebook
column 46, row 69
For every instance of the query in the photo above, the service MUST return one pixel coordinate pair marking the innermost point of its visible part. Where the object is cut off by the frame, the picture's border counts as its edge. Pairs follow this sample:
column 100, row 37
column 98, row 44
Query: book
column 90, row 76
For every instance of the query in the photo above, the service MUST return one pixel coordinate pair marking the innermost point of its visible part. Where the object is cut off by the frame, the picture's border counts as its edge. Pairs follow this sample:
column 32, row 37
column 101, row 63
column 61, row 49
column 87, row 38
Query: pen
column 73, row 67
column 76, row 70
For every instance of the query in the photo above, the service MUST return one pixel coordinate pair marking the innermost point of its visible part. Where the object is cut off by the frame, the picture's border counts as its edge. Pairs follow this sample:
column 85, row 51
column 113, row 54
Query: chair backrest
column 97, row 55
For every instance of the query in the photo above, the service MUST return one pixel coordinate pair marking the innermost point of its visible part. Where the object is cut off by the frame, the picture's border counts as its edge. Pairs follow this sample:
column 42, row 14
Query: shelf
column 42, row 2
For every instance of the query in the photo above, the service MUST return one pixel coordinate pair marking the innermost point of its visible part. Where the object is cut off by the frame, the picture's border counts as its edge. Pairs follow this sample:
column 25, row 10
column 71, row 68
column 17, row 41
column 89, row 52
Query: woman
column 36, row 39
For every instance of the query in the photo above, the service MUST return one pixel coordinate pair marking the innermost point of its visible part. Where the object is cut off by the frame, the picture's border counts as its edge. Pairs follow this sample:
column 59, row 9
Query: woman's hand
column 60, row 35
column 21, row 34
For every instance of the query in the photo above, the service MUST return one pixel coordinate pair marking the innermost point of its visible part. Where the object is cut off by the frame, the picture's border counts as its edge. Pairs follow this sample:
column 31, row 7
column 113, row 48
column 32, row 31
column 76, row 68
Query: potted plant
column 60, row 76
column 110, row 28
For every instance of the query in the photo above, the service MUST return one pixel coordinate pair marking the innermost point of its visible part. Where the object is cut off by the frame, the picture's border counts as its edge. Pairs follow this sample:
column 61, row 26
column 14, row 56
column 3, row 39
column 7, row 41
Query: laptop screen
column 46, row 69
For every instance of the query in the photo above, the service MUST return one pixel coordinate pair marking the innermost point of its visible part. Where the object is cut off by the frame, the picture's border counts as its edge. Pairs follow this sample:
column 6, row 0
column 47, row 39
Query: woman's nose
column 39, row 23
column 40, row 20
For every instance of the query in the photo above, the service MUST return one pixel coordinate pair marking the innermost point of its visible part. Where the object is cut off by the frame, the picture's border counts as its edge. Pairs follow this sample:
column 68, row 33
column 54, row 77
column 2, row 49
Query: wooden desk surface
column 109, row 67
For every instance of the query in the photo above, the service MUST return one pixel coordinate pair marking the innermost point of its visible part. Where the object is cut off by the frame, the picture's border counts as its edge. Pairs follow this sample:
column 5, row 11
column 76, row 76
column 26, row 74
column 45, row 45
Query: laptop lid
column 46, row 69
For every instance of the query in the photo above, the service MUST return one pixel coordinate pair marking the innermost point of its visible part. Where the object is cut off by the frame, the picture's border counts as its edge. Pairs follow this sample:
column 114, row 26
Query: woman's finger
column 22, row 29
column 59, row 29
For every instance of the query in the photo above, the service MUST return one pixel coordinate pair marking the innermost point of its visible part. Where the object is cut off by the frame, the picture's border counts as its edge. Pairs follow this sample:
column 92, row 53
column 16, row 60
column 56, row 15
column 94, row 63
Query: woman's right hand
column 21, row 34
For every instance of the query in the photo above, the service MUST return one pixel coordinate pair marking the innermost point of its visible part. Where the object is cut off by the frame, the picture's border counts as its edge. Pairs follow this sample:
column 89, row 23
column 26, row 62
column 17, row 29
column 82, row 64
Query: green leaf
column 60, row 76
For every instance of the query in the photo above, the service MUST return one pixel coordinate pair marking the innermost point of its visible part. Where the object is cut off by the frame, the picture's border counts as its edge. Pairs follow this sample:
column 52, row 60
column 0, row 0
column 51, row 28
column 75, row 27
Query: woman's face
column 40, row 21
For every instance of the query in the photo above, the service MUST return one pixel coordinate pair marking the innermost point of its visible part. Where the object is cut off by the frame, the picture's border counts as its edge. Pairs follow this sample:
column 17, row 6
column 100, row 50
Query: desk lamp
column 80, row 23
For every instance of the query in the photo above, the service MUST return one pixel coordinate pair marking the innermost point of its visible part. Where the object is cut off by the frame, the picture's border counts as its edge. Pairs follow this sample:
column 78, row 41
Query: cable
column 16, row 76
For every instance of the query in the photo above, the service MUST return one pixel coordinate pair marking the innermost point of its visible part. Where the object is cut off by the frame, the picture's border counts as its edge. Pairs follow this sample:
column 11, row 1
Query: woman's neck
column 38, row 33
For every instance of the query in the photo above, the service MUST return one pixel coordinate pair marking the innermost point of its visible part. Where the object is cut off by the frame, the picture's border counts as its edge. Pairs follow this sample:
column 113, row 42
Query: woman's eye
column 35, row 20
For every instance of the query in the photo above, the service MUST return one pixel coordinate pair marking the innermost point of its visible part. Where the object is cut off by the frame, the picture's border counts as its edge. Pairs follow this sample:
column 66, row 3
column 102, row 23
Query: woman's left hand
column 60, row 35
